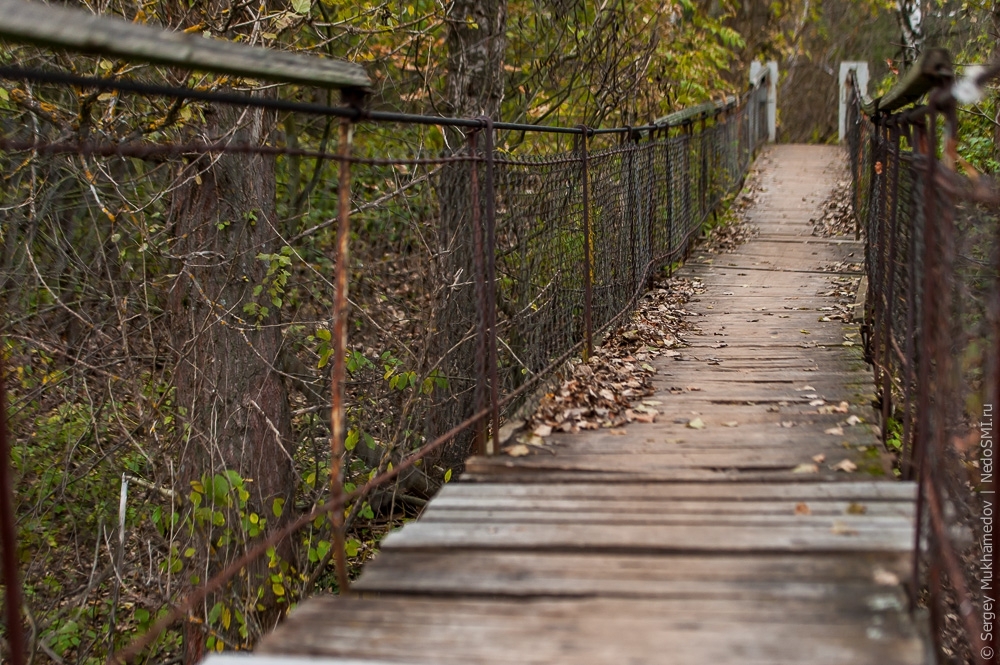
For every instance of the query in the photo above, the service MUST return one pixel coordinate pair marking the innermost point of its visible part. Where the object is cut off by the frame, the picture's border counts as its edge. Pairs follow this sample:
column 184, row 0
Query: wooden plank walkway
column 736, row 543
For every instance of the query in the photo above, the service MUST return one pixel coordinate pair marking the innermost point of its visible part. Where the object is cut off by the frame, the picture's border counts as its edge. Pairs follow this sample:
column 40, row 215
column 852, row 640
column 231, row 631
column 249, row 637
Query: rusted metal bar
column 670, row 205
column 338, row 414
column 927, row 338
column 631, row 208
column 8, row 533
column 948, row 559
column 491, row 282
column 876, row 283
column 890, row 281
column 908, row 463
column 588, row 289
column 482, row 386
column 703, row 176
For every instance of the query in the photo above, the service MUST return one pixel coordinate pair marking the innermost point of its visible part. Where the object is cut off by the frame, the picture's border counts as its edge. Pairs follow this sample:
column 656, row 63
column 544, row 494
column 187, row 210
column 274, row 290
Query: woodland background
column 166, row 323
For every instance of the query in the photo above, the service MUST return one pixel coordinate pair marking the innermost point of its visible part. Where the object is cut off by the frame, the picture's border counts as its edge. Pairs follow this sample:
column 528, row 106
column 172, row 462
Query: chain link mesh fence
column 933, row 267
column 166, row 288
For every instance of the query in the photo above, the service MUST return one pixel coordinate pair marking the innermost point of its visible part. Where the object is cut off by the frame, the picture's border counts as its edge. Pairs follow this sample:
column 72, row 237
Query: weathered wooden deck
column 672, row 544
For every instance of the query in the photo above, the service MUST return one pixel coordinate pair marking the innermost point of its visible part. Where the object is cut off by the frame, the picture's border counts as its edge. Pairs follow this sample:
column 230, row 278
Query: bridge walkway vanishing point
column 673, row 544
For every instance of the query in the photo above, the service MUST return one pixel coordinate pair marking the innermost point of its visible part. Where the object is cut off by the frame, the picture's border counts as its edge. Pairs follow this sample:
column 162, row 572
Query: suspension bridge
column 785, row 505
column 669, row 543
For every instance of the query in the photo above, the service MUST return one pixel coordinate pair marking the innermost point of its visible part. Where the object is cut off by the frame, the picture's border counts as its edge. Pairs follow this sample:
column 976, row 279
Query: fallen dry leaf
column 817, row 402
column 543, row 430
column 519, row 450
column 786, row 423
column 885, row 578
column 835, row 431
column 856, row 509
column 853, row 420
column 731, row 423
column 696, row 423
column 531, row 440
column 841, row 529
column 806, row 468
column 819, row 459
column 617, row 432
column 845, row 465
column 802, row 509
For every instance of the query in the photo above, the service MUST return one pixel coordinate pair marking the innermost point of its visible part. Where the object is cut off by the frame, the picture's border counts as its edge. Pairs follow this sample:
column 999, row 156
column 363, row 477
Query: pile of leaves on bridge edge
column 608, row 391
column 836, row 218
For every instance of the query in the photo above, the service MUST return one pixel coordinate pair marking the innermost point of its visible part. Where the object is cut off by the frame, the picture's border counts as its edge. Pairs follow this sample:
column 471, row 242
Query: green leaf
column 220, row 488
column 323, row 334
column 369, row 441
column 278, row 507
column 447, row 476
column 352, row 439
column 215, row 612
column 351, row 547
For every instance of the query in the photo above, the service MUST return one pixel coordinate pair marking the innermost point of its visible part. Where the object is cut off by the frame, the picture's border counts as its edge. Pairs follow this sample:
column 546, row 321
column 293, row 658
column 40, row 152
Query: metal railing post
column 631, row 208
column 491, row 284
column 338, row 412
column 482, row 363
column 8, row 534
column 588, row 295
column 890, row 279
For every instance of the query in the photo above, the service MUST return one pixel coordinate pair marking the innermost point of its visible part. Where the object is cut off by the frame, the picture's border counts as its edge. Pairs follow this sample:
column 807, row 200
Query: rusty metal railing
column 932, row 333
column 560, row 245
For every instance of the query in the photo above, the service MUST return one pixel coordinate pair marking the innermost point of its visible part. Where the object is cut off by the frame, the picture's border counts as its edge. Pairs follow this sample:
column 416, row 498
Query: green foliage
column 275, row 281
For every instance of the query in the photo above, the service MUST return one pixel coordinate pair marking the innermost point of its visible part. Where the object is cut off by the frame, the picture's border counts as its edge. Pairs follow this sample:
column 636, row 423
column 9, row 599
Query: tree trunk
column 911, row 27
column 474, row 87
column 234, row 402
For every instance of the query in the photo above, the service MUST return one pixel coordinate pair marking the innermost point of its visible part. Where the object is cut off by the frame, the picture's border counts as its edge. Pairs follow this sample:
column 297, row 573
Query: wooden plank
column 858, row 490
column 582, row 631
column 78, row 30
column 638, row 506
column 654, row 538
column 598, row 518
column 745, row 458
column 768, row 577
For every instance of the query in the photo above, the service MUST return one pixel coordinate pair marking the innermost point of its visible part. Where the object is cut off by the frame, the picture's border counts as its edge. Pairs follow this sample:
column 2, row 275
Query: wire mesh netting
column 166, row 286
column 931, row 312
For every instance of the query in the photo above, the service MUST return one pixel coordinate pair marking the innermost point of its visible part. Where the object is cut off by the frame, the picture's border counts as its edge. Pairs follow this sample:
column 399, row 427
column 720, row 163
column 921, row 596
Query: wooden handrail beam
column 78, row 30
column 931, row 69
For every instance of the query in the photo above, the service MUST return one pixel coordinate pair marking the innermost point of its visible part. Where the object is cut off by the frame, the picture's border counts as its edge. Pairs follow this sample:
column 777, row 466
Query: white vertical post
column 772, row 101
column 772, row 94
column 861, row 73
